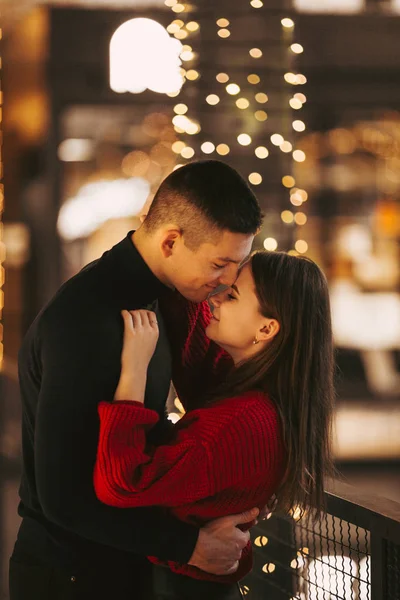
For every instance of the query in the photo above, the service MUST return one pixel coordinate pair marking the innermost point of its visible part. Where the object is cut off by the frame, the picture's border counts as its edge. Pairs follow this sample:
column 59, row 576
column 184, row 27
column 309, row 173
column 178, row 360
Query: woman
column 255, row 377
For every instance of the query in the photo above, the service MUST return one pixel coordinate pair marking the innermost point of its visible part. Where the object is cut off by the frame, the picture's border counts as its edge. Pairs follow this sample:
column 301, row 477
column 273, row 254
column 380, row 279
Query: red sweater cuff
column 127, row 412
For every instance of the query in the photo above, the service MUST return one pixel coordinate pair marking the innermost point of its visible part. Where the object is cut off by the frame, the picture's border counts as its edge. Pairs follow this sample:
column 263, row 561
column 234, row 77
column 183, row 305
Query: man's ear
column 169, row 241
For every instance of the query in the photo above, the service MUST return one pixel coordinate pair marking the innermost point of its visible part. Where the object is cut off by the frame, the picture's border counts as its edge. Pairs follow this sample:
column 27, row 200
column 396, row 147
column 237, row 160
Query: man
column 199, row 229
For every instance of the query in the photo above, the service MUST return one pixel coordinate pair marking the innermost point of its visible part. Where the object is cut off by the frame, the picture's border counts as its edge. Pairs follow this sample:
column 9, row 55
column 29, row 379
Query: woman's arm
column 128, row 473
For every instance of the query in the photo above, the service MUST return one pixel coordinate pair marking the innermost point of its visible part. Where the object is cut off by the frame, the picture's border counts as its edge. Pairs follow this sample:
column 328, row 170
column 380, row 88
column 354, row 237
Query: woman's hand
column 140, row 340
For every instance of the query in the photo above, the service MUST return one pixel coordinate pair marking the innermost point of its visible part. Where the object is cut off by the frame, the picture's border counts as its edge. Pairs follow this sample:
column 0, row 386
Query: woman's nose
column 216, row 299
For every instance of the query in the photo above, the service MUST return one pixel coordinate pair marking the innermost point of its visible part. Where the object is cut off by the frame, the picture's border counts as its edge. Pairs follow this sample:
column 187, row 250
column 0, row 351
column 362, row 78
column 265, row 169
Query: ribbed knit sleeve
column 199, row 365
column 128, row 473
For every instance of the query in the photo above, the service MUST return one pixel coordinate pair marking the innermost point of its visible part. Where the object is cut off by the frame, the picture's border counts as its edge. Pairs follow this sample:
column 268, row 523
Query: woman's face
column 237, row 320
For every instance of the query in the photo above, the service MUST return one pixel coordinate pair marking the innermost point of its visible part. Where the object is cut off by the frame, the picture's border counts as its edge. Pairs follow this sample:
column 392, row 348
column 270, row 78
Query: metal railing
column 351, row 552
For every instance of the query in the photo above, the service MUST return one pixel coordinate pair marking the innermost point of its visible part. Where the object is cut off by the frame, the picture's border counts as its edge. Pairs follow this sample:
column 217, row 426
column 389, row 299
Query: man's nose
column 229, row 275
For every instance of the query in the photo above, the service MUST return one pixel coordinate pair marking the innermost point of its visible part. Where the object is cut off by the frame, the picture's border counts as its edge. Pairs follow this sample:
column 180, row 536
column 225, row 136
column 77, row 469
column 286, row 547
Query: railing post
column 378, row 551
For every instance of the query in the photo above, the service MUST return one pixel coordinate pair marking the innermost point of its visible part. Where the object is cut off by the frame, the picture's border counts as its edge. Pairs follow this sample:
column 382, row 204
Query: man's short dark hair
column 205, row 198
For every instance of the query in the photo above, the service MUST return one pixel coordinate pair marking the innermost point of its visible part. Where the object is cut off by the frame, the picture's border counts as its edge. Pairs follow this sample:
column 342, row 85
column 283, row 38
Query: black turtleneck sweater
column 70, row 360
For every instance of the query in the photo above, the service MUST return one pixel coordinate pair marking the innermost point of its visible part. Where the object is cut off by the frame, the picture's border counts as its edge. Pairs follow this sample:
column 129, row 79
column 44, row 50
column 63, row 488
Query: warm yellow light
column 287, row 23
column 174, row 94
column 207, row 147
column 256, row 3
column 301, row 246
column 303, row 195
column 192, row 128
column 242, row 103
column 224, row 33
column 180, row 121
column 170, row 3
column 177, row 167
column 261, row 152
column 192, row 75
column 296, row 199
column 301, row 79
column 298, row 125
column 192, row 26
column 223, row 149
column 253, row 79
column 255, row 53
column 173, row 28
column 300, row 218
column 270, row 244
column 288, row 181
column 286, row 147
column 212, row 99
column 295, row 103
column 261, row 115
column 287, row 216
column 297, row 48
column 177, row 147
column 299, row 156
column 223, row 23
column 178, row 8
column 269, row 568
column 300, row 97
column 277, row 139
column 187, row 152
column 187, row 55
column 261, row 98
column 222, row 77
column 180, row 109
column 255, row 178
column 232, row 89
column 244, row 139
column 290, row 78
column 181, row 34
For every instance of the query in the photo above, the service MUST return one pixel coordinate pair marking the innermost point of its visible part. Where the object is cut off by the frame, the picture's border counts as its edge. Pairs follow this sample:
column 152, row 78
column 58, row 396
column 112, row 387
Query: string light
column 223, row 23
column 242, row 103
column 295, row 103
column 244, row 139
column 178, row 146
column 301, row 246
column 261, row 115
column 290, row 78
column 192, row 75
column 261, row 98
column 180, row 109
column 287, row 216
column 286, row 147
column 187, row 152
column 256, row 3
column 270, row 244
column 223, row 149
column 300, row 97
column 212, row 99
column 192, row 26
column 222, row 77
column 287, row 23
column 224, row 33
column 288, row 181
column 255, row 53
column 298, row 126
column 253, row 79
column 299, row 156
column 207, row 147
column 297, row 48
column 232, row 89
column 277, row 139
column 261, row 152
column 255, row 178
column 178, row 8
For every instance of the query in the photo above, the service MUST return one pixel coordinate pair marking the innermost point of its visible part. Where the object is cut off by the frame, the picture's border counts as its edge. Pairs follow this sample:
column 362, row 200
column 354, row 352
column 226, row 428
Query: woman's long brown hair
column 296, row 370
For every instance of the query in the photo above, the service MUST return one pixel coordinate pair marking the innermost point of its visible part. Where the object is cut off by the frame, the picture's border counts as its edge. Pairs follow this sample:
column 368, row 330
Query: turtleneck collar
column 133, row 284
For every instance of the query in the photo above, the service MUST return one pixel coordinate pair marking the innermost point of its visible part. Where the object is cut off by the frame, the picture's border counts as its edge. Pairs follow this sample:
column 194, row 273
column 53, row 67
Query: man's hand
column 220, row 544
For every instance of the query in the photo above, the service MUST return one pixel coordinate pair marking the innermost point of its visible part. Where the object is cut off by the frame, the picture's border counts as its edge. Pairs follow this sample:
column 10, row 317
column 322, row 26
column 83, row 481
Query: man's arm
column 77, row 361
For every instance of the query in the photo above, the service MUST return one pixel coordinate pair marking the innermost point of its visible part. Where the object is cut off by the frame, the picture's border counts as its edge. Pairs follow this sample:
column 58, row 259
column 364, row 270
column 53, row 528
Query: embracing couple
column 116, row 502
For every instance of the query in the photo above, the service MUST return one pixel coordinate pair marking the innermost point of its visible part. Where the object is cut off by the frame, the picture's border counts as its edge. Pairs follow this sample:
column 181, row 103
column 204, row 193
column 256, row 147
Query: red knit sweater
column 221, row 459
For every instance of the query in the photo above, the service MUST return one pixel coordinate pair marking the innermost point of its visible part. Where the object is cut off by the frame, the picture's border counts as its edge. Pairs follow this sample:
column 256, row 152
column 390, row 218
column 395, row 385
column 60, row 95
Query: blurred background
column 101, row 99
